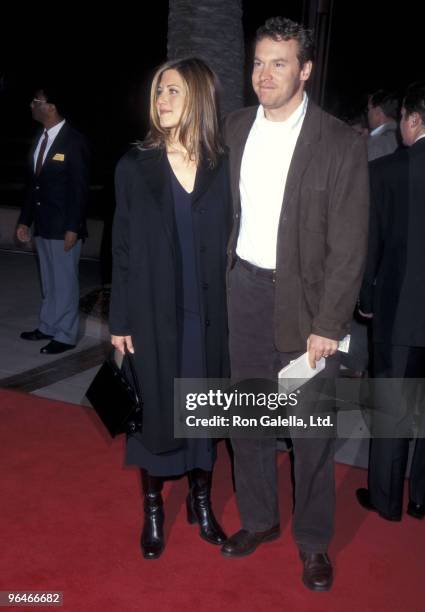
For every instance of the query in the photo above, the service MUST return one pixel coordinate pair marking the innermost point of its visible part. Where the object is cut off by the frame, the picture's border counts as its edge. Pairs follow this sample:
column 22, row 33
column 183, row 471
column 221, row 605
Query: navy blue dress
column 196, row 453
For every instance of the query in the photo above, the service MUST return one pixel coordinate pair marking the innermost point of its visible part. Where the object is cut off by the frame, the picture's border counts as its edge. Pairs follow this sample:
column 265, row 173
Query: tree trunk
column 211, row 30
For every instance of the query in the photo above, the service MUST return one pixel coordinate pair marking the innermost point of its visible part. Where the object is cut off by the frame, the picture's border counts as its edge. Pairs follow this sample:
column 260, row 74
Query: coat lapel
column 204, row 177
column 237, row 146
column 303, row 153
column 31, row 161
column 57, row 145
column 299, row 164
column 157, row 175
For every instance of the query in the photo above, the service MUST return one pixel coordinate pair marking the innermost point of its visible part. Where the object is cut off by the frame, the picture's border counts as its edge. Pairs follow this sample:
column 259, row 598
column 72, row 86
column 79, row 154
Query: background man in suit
column 300, row 194
column 382, row 116
column 56, row 203
column 383, row 112
column 393, row 293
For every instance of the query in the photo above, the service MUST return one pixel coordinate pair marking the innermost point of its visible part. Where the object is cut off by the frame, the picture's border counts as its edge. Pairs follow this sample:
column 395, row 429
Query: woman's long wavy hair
column 198, row 130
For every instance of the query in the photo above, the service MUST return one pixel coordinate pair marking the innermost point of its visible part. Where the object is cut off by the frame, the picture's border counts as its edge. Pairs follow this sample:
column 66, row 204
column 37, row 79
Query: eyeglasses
column 38, row 102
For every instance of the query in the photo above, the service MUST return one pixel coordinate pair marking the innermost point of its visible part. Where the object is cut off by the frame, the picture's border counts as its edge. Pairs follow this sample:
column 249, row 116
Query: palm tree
column 211, row 30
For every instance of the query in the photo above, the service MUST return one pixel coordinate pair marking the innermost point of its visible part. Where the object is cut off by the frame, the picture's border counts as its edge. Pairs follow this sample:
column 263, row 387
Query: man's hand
column 69, row 240
column 23, row 233
column 318, row 347
column 120, row 342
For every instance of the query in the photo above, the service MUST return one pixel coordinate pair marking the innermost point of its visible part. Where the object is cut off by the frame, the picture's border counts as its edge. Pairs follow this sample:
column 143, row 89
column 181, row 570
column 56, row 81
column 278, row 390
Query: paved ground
column 64, row 376
column 67, row 376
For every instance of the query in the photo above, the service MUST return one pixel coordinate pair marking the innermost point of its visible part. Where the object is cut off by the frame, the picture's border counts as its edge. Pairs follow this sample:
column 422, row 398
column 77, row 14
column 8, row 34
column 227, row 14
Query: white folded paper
column 300, row 368
column 344, row 344
column 301, row 371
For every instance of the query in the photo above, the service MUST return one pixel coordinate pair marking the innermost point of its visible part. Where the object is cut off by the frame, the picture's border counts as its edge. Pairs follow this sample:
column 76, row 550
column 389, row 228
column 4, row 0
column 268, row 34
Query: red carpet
column 71, row 517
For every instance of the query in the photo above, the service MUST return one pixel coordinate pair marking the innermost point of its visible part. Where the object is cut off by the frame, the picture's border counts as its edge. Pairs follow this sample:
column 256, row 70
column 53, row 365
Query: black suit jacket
column 394, row 282
column 56, row 200
column 147, row 273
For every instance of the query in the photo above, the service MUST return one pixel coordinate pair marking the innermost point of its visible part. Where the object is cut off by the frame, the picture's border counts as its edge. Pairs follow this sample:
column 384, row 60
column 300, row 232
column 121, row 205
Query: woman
column 168, row 304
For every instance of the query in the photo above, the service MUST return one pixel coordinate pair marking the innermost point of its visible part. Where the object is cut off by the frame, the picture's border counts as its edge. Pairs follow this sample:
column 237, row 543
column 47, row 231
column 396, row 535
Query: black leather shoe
column 363, row 497
column 246, row 542
column 317, row 573
column 416, row 510
column 36, row 334
column 54, row 348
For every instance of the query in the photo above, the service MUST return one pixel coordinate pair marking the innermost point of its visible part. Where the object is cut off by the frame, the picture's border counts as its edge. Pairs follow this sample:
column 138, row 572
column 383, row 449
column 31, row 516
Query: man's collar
column 291, row 121
column 381, row 128
column 54, row 131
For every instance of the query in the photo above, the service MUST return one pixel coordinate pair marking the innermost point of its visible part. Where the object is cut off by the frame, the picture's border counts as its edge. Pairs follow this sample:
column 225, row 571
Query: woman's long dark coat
column 146, row 284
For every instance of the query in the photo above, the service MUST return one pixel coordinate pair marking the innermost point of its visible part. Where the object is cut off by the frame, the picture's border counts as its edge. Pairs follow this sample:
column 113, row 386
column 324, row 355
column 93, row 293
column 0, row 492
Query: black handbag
column 115, row 395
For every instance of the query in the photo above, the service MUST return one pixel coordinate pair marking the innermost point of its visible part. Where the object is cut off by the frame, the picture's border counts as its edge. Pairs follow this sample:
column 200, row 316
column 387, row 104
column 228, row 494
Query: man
column 300, row 192
column 393, row 295
column 382, row 116
column 56, row 203
column 383, row 110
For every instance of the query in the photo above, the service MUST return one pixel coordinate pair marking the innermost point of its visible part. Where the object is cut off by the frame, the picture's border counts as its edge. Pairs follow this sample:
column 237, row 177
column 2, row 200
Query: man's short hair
column 280, row 28
column 388, row 101
column 414, row 100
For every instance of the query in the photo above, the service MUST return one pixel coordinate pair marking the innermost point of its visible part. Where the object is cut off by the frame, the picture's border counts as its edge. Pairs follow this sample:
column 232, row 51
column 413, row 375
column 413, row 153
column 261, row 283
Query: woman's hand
column 121, row 342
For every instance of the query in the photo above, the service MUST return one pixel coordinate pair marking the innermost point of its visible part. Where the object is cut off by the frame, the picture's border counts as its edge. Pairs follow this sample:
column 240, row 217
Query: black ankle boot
column 198, row 504
column 152, row 540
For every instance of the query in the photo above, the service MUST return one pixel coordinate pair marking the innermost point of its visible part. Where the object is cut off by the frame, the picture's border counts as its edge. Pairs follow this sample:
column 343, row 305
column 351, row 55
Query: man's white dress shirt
column 52, row 133
column 264, row 169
